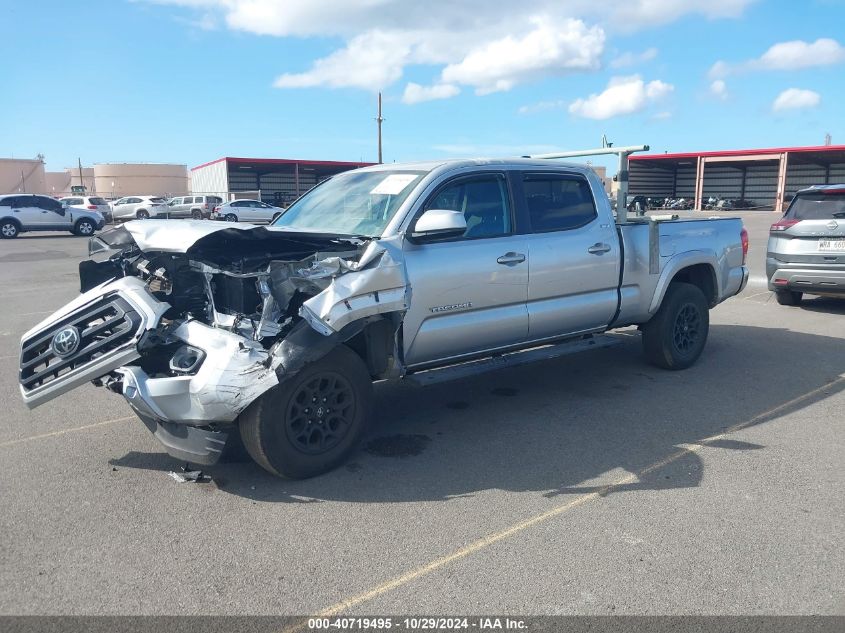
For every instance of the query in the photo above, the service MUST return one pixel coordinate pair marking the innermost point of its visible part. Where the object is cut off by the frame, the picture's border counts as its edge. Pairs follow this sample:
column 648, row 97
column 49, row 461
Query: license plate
column 832, row 245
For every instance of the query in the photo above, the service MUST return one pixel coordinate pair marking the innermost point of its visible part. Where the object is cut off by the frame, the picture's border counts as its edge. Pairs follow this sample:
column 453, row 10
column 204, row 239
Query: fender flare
column 676, row 264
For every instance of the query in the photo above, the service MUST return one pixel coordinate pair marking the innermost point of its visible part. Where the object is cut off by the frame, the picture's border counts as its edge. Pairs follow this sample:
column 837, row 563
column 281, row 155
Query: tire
column 675, row 337
column 196, row 214
column 84, row 228
column 282, row 439
column 142, row 214
column 9, row 229
column 788, row 297
column 230, row 217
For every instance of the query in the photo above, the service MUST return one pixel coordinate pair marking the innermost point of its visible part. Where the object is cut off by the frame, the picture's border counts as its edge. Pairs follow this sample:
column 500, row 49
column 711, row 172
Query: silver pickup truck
column 275, row 334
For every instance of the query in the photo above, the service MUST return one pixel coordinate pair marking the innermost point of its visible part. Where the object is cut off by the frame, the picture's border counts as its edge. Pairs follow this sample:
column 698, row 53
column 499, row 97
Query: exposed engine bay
column 191, row 323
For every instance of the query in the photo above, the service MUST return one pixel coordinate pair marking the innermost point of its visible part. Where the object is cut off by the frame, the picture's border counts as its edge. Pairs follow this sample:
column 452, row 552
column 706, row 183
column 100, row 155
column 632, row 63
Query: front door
column 467, row 293
column 574, row 269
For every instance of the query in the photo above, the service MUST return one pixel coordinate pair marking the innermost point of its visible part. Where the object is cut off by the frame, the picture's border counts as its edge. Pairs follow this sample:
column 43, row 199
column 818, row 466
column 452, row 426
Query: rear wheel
column 9, row 229
column 310, row 423
column 788, row 297
column 84, row 228
column 196, row 214
column 230, row 217
column 676, row 335
column 142, row 214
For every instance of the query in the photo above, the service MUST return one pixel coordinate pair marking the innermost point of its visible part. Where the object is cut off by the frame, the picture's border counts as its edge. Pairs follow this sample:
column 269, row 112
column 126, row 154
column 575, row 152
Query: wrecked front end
column 191, row 324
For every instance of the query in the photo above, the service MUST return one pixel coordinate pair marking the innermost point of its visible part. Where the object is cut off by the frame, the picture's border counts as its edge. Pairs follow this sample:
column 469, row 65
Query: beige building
column 22, row 175
column 124, row 179
column 104, row 179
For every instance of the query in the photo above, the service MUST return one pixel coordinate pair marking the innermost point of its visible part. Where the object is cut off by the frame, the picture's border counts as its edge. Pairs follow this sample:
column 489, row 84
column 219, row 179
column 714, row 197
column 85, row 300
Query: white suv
column 23, row 212
column 90, row 203
column 196, row 207
column 139, row 207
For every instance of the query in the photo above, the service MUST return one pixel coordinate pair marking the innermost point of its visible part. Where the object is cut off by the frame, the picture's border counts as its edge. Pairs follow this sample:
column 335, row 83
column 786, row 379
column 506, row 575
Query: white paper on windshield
column 393, row 184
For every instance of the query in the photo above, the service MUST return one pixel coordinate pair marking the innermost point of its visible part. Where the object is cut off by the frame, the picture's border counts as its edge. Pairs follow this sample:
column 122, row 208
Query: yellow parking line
column 486, row 541
column 32, row 438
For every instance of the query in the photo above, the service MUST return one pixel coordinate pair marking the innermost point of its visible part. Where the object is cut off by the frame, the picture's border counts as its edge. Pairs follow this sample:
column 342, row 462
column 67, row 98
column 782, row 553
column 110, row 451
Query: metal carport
column 766, row 176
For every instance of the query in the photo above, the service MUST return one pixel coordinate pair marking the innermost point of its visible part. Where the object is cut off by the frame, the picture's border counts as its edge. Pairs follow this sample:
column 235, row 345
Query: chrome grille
column 103, row 326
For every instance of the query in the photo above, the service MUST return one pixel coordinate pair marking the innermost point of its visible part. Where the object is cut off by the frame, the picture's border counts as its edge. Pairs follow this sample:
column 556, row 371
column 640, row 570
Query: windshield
column 818, row 206
column 352, row 203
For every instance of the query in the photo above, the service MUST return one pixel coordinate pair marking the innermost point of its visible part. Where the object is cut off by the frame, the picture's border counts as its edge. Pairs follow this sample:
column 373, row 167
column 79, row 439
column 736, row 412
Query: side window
column 7, row 202
column 483, row 201
column 48, row 204
column 558, row 203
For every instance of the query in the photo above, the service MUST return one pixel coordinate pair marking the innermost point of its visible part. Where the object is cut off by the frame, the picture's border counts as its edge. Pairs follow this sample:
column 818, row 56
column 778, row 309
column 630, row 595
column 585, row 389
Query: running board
column 512, row 359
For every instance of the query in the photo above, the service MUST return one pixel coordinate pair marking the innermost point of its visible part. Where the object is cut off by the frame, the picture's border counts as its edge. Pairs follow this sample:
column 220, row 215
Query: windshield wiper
column 839, row 214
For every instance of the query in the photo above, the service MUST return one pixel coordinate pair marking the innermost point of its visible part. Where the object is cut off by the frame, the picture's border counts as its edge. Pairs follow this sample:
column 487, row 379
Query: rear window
column 817, row 206
column 157, row 200
column 97, row 201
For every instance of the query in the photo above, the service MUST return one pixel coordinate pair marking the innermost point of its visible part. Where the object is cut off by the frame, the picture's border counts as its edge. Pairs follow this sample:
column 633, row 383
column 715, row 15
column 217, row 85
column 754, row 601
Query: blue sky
column 192, row 80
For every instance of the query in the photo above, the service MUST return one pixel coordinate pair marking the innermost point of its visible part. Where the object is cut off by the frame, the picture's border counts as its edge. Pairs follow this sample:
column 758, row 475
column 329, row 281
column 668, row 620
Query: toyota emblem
column 66, row 341
column 833, row 225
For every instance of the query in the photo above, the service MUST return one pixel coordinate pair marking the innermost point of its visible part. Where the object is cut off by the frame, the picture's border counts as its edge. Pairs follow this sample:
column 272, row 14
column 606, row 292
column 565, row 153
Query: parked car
column 196, row 207
column 20, row 213
column 246, row 211
column 90, row 203
column 139, row 208
column 806, row 251
column 383, row 272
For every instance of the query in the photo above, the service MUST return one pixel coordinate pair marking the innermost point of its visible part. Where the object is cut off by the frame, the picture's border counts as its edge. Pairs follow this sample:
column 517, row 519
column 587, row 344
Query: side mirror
column 63, row 209
column 436, row 223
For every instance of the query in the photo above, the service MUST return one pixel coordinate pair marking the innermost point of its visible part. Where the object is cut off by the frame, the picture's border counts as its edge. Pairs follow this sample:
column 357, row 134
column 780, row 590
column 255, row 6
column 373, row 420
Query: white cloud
column 632, row 59
column 473, row 149
column 719, row 89
column 415, row 93
column 623, row 95
column 793, row 55
column 489, row 46
column 549, row 48
column 796, row 99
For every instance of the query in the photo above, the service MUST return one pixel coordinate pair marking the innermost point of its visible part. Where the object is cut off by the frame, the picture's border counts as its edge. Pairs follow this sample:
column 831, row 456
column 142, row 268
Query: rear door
column 23, row 209
column 467, row 293
column 574, row 256
column 812, row 230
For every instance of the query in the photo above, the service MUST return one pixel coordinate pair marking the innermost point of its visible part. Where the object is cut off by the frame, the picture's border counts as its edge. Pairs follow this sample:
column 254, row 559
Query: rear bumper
column 805, row 279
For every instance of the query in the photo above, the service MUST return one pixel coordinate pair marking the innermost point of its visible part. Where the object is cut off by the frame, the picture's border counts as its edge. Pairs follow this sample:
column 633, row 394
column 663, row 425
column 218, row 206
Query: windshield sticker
column 393, row 184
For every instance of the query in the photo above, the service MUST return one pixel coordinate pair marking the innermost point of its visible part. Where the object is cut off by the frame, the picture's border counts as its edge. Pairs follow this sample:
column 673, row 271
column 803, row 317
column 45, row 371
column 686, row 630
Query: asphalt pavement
column 590, row 484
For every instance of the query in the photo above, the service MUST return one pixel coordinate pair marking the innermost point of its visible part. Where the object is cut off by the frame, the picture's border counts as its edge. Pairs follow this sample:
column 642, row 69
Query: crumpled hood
column 166, row 235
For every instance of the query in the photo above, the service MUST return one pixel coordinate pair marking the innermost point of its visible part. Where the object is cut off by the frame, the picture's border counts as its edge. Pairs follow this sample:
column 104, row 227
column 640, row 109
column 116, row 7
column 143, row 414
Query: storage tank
column 145, row 179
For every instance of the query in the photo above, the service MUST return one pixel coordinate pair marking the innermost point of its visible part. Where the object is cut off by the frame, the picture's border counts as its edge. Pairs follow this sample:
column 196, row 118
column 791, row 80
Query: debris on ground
column 188, row 475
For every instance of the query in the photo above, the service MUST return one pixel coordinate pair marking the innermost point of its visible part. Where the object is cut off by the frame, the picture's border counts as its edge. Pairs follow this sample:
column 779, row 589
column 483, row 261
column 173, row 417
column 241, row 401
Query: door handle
column 511, row 258
column 599, row 249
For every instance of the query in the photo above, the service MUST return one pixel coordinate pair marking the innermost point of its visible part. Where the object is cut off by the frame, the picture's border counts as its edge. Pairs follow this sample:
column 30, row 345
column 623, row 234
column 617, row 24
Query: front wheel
column 788, row 297
column 9, row 229
column 84, row 228
column 676, row 335
column 310, row 423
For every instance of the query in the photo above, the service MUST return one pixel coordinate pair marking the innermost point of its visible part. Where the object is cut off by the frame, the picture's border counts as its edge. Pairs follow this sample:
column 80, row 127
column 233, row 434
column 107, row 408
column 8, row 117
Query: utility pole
column 379, row 120
column 81, row 182
column 23, row 183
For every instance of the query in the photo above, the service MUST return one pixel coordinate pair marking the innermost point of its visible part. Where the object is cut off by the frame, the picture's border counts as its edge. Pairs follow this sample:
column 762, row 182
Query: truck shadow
column 564, row 427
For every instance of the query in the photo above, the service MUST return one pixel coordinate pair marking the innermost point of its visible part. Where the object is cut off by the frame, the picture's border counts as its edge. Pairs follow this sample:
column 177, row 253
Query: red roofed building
column 276, row 181
column 765, row 176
